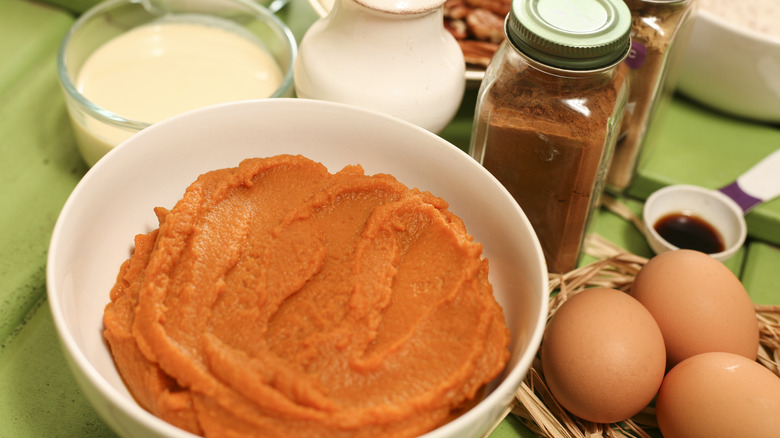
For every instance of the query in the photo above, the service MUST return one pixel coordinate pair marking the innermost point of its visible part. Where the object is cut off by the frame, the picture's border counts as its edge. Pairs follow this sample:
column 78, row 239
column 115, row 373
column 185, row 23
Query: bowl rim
column 743, row 31
column 260, row 12
column 500, row 395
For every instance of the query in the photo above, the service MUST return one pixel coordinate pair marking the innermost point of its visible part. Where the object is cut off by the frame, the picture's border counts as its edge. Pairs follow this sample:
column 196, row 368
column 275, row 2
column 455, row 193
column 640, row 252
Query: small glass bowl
column 97, row 130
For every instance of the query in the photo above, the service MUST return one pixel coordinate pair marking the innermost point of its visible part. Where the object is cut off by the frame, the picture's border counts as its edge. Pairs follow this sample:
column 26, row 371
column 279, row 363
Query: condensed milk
column 168, row 67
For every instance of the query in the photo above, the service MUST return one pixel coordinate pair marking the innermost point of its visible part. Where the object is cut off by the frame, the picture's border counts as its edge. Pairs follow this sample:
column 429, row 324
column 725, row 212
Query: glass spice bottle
column 660, row 31
column 548, row 113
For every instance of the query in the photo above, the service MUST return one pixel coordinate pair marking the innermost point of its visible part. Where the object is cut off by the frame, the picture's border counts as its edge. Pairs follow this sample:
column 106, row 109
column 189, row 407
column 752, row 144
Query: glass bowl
column 232, row 24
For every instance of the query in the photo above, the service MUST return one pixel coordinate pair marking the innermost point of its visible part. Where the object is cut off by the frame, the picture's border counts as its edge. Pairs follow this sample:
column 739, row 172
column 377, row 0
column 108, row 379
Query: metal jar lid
column 571, row 34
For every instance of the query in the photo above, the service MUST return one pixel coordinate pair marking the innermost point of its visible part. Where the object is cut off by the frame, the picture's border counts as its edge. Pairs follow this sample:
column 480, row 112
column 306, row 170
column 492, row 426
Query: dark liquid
column 689, row 232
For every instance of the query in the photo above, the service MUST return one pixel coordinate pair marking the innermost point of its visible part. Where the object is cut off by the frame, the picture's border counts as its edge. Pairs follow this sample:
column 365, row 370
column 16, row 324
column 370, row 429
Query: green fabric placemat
column 40, row 397
column 39, row 167
column 761, row 275
column 39, row 164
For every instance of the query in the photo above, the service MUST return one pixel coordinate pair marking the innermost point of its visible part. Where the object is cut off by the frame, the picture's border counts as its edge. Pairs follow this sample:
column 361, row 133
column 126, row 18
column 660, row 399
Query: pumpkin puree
column 277, row 299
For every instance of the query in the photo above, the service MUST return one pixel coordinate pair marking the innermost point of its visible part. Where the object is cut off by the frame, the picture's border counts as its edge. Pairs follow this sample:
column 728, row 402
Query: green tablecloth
column 39, row 166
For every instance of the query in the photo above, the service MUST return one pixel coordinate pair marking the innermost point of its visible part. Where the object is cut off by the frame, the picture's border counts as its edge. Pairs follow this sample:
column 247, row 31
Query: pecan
column 485, row 25
column 478, row 25
column 457, row 28
column 478, row 52
column 499, row 7
column 455, row 10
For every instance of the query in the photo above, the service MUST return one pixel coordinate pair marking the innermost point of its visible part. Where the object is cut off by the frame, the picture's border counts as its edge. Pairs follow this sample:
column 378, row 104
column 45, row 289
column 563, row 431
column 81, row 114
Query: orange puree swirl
column 278, row 299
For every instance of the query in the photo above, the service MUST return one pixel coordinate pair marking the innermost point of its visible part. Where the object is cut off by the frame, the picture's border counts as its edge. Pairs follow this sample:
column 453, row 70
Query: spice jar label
column 636, row 56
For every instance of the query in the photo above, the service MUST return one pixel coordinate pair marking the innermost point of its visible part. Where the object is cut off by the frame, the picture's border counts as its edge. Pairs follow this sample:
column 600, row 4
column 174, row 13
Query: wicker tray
column 535, row 406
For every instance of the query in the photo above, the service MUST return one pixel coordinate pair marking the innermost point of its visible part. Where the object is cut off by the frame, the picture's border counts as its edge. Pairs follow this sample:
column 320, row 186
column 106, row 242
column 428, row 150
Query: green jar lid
column 571, row 34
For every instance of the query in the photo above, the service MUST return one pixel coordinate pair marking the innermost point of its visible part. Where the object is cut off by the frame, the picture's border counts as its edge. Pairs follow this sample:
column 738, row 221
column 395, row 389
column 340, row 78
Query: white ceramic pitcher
column 392, row 56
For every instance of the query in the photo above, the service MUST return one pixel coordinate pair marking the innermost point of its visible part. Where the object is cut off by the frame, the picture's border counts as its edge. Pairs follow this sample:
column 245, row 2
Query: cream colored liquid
column 157, row 71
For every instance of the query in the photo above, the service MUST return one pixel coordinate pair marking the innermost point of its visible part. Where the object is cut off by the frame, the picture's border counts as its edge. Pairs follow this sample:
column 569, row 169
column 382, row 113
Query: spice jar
column 548, row 113
column 388, row 56
column 660, row 31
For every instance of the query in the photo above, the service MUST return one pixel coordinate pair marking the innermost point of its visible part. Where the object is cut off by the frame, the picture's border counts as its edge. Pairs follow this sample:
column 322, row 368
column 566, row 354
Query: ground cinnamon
column 659, row 33
column 549, row 111
column 548, row 139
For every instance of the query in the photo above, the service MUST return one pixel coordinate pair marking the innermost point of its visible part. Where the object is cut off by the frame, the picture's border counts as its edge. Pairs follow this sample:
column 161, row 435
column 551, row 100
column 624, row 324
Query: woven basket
column 536, row 407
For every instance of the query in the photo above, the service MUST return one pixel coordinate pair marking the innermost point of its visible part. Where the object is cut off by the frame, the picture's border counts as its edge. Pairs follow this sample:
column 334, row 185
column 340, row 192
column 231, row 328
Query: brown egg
column 603, row 355
column 719, row 395
column 699, row 304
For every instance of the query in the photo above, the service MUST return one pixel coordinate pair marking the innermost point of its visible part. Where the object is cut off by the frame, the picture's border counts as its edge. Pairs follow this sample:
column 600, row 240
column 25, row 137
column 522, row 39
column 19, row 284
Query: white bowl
column 732, row 69
column 114, row 202
column 714, row 207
